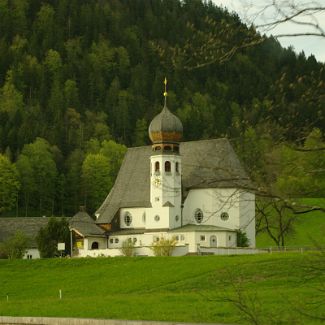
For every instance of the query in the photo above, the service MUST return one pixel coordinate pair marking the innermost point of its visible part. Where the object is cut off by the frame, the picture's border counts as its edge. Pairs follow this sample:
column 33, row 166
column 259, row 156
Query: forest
column 81, row 81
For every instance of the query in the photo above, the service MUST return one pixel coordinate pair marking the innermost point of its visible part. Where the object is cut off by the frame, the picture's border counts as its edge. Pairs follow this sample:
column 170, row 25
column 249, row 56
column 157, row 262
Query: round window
column 157, row 218
column 198, row 215
column 224, row 216
column 127, row 218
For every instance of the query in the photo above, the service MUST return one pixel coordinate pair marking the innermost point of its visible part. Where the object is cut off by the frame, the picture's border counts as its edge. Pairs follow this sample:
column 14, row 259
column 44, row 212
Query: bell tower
column 165, row 132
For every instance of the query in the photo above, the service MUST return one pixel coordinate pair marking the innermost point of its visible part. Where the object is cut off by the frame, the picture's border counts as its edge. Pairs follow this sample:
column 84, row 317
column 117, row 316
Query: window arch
column 94, row 245
column 167, row 167
column 177, row 167
column 157, row 167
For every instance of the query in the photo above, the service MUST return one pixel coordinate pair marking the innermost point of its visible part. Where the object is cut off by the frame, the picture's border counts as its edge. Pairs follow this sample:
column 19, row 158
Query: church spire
column 165, row 92
column 166, row 129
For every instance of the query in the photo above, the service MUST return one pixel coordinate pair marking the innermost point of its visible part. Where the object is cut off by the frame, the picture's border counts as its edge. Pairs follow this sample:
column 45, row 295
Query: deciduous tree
column 9, row 184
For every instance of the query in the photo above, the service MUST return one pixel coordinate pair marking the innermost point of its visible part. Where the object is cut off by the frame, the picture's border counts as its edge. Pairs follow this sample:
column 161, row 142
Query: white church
column 196, row 193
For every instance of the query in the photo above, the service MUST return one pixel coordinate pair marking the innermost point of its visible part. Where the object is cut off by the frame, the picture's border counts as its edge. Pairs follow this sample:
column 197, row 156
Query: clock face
column 157, row 181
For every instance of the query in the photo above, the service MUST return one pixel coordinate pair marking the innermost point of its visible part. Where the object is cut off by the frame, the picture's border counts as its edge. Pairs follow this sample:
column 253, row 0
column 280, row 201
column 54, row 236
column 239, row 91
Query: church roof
column 29, row 226
column 85, row 225
column 200, row 228
column 205, row 164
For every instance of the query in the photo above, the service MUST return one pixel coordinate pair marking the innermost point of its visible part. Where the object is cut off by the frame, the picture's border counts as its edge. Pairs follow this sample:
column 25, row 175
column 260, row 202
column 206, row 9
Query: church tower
column 165, row 132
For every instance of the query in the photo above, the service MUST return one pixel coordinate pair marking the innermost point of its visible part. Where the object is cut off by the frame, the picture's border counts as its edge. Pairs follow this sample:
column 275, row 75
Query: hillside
column 79, row 74
column 190, row 289
column 308, row 230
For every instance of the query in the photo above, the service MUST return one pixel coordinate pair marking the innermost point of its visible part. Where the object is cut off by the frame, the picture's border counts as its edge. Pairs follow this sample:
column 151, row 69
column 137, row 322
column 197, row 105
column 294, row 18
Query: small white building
column 194, row 192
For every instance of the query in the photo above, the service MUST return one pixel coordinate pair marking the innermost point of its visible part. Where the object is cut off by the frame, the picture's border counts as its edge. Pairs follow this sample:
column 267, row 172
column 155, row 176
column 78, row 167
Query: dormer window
column 127, row 218
column 167, row 167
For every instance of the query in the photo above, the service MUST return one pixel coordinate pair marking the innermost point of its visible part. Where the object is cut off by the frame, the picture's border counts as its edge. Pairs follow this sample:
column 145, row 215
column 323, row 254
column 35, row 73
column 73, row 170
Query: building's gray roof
column 200, row 228
column 205, row 164
column 85, row 225
column 137, row 231
column 29, row 226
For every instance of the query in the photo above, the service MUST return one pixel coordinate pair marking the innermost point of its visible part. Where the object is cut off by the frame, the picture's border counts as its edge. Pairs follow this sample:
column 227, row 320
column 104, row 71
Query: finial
column 165, row 92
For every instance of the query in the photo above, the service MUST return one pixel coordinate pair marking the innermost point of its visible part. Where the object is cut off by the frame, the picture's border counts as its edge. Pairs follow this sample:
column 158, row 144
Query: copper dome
column 165, row 128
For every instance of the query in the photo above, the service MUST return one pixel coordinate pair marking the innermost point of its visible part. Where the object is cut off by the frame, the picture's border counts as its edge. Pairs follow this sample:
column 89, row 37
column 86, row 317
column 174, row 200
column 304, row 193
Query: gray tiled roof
column 137, row 231
column 29, row 226
column 205, row 164
column 85, row 225
column 201, row 228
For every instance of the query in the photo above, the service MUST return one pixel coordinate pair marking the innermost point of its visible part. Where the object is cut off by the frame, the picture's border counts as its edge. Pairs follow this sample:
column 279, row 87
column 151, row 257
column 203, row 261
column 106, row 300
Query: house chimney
column 82, row 208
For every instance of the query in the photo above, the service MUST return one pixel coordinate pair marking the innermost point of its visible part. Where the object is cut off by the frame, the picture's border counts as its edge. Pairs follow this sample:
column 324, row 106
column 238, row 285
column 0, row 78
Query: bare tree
column 269, row 15
column 214, row 43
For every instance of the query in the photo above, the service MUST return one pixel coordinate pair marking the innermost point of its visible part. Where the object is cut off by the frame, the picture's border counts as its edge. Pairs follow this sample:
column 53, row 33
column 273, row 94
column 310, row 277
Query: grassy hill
column 190, row 289
column 308, row 229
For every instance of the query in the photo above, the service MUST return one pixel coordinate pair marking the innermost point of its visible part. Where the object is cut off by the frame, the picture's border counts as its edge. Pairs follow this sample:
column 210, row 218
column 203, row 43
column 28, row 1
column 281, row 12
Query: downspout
column 71, row 244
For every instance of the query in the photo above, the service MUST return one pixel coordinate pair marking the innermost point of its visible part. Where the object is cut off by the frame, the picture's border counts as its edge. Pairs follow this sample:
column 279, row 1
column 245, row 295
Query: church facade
column 195, row 193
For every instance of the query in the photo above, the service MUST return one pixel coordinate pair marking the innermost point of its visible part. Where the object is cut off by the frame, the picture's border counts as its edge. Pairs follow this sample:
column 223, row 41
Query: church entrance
column 213, row 241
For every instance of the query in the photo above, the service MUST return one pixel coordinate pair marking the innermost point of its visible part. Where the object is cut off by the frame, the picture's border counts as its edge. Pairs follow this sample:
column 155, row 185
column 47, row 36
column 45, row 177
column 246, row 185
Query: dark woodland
column 81, row 80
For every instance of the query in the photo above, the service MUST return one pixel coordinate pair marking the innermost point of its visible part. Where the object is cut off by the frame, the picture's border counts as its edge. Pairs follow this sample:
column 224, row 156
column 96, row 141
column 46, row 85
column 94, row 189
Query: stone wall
column 7, row 320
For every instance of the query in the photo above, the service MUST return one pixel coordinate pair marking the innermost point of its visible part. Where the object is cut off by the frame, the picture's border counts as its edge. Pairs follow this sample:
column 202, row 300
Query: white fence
column 229, row 251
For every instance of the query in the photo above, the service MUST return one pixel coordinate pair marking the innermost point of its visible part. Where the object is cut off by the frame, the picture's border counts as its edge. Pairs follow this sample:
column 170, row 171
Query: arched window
column 177, row 167
column 167, row 167
column 157, row 167
column 94, row 245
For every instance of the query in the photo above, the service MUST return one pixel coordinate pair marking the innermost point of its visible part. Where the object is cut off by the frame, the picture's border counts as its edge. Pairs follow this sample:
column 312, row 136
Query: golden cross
column 165, row 92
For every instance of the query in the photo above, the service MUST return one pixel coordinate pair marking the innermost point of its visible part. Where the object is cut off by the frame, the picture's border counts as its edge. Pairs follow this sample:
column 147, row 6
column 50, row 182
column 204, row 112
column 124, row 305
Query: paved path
column 7, row 320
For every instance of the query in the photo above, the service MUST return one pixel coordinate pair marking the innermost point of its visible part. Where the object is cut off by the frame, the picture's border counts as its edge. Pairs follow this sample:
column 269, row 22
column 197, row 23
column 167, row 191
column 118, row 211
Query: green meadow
column 182, row 289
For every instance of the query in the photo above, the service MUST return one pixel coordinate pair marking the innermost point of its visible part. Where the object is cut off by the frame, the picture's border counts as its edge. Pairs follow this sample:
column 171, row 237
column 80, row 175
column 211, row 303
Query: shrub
column 127, row 248
column 14, row 247
column 242, row 240
column 164, row 247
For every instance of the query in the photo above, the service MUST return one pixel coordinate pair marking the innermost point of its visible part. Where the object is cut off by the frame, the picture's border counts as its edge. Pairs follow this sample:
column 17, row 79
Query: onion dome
column 165, row 128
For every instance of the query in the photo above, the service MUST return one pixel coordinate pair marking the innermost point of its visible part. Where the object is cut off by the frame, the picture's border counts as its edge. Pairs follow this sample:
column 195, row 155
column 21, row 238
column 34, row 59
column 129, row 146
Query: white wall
column 139, row 217
column 239, row 204
column 247, row 216
column 146, row 217
column 138, row 251
column 213, row 202
column 32, row 253
column 102, row 242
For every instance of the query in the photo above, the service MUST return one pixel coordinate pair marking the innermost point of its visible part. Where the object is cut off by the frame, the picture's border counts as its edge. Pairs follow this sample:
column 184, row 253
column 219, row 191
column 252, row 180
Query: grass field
column 308, row 229
column 189, row 289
